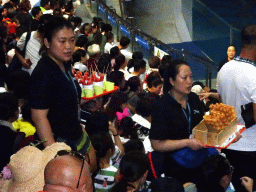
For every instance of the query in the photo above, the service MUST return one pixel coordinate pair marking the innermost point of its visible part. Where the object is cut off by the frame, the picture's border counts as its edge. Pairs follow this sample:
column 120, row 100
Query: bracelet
column 116, row 135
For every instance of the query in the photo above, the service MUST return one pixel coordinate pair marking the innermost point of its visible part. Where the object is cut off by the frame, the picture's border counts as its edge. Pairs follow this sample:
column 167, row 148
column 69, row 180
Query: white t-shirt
column 127, row 54
column 237, row 86
column 108, row 46
column 32, row 49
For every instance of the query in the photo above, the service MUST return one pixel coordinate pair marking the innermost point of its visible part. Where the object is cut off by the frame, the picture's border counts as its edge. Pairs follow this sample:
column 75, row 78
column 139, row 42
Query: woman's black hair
column 115, row 103
column 8, row 105
column 134, row 145
column 116, row 77
column 114, row 51
column 17, row 82
column 139, row 64
column 154, row 79
column 132, row 167
column 109, row 35
column 81, row 41
column 97, row 38
column 199, row 83
column 26, row 112
column 134, row 83
column 78, row 54
column 42, row 22
column 119, row 61
column 102, row 143
column 82, row 28
column 171, row 72
column 53, row 25
column 57, row 12
column 137, row 55
column 167, row 59
column 128, row 129
column 106, row 28
column 144, row 107
column 212, row 170
column 97, row 123
column 103, row 64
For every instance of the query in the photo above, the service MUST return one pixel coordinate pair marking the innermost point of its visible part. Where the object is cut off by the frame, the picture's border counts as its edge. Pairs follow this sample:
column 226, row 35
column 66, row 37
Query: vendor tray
column 100, row 95
column 221, row 139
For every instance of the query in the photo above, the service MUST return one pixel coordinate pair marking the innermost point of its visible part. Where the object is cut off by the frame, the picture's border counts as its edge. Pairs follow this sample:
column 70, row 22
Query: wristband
column 116, row 135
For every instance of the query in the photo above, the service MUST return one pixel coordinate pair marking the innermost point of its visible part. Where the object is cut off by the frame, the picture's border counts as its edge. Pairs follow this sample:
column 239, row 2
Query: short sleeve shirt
column 169, row 120
column 50, row 88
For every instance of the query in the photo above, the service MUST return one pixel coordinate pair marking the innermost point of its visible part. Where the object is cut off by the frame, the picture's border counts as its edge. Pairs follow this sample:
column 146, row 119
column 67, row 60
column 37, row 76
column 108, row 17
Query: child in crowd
column 134, row 145
column 133, row 168
column 117, row 77
column 117, row 103
column 80, row 60
column 114, row 52
column 139, row 67
column 9, row 139
column 127, row 129
column 104, row 146
column 142, row 118
column 86, row 29
column 135, row 88
column 110, row 42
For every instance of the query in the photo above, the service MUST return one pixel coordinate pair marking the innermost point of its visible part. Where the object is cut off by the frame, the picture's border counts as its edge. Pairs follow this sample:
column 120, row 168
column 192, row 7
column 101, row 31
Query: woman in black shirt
column 54, row 95
column 175, row 114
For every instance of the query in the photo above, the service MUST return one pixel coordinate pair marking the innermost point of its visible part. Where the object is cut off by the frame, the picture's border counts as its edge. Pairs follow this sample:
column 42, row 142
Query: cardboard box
column 201, row 133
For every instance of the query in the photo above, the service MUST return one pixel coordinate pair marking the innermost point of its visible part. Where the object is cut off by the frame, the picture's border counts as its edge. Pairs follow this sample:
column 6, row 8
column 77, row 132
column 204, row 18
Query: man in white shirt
column 237, row 86
column 124, row 43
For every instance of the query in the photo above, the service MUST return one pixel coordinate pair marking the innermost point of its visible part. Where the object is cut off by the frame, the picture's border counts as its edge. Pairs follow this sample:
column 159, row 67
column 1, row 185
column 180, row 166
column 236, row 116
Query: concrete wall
column 165, row 19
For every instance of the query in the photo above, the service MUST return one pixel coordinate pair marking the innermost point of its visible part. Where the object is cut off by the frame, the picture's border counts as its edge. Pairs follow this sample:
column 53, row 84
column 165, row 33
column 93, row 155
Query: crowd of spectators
column 130, row 140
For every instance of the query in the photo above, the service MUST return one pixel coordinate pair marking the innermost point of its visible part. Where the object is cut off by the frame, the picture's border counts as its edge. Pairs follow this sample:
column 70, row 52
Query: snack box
column 218, row 139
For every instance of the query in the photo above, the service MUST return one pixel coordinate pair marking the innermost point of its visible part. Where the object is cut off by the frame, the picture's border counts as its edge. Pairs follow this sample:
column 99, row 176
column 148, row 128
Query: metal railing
column 141, row 41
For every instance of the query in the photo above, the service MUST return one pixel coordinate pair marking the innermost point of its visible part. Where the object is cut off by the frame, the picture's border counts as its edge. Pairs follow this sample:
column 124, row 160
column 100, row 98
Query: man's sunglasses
column 76, row 154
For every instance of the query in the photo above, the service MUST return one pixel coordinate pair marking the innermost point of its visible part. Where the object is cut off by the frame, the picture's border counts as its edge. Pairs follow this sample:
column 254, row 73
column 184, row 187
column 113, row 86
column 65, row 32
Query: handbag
column 15, row 63
column 192, row 159
column 248, row 114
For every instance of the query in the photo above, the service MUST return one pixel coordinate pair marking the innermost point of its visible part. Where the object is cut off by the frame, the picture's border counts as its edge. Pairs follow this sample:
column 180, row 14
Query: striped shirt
column 104, row 180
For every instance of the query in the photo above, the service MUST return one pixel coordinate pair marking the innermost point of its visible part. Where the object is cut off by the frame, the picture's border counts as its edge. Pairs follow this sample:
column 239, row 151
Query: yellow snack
column 220, row 116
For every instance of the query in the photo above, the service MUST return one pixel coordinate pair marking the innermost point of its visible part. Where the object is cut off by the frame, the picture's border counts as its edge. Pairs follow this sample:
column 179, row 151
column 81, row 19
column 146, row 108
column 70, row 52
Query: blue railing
column 141, row 41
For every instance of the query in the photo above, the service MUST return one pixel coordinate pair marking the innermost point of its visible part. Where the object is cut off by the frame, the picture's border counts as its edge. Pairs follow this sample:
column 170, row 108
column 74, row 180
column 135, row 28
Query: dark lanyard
column 244, row 60
column 188, row 117
column 68, row 76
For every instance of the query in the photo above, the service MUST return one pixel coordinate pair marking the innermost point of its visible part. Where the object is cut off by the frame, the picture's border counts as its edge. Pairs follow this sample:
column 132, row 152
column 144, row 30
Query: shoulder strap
column 26, row 42
column 152, row 165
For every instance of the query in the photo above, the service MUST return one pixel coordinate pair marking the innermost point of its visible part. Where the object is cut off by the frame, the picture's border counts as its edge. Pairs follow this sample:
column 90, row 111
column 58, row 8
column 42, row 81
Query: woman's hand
column 238, row 136
column 112, row 129
column 203, row 96
column 194, row 144
column 247, row 182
